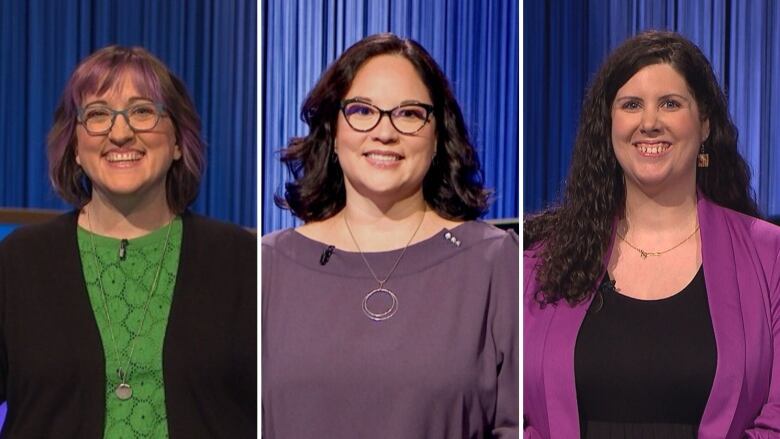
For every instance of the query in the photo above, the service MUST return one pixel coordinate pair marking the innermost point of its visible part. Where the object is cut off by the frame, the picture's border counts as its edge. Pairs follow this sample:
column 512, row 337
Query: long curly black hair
column 573, row 235
column 453, row 186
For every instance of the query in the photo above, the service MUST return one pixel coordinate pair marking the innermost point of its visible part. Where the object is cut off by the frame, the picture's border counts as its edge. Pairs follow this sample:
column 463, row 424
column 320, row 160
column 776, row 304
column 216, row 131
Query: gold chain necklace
column 645, row 254
column 378, row 317
column 123, row 390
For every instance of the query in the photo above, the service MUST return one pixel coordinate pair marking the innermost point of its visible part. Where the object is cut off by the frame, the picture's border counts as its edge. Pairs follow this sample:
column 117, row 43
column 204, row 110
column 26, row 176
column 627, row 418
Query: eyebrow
column 129, row 101
column 666, row 96
column 404, row 102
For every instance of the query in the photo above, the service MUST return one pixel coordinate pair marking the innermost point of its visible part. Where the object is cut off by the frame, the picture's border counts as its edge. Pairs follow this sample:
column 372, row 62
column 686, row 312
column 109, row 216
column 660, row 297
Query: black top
column 52, row 366
column 644, row 368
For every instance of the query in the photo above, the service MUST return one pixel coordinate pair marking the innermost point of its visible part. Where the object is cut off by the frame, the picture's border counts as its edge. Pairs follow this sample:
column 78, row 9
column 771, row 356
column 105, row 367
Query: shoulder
column 210, row 229
column 482, row 233
column 762, row 235
column 223, row 243
column 531, row 259
column 755, row 227
column 56, row 232
column 494, row 252
column 277, row 239
column 290, row 246
column 533, row 253
column 487, row 244
column 750, row 245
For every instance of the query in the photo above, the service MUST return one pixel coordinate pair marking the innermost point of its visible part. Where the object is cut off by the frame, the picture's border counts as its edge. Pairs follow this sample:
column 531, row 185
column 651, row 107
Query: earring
column 703, row 159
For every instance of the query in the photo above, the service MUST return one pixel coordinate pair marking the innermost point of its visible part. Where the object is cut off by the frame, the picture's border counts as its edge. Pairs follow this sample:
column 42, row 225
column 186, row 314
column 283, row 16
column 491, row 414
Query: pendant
column 378, row 317
column 643, row 253
column 123, row 391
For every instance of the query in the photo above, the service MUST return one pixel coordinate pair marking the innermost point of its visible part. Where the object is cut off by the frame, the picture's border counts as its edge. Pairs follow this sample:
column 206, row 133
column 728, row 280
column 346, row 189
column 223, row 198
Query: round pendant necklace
column 381, row 290
column 123, row 390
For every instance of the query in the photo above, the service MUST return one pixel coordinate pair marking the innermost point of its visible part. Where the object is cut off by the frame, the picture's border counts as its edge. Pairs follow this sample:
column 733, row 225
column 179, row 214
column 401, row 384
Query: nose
column 384, row 131
column 650, row 123
column 121, row 133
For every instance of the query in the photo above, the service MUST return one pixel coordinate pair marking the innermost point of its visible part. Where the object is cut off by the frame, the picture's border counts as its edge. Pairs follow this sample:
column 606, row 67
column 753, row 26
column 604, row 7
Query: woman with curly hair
column 652, row 289
column 392, row 312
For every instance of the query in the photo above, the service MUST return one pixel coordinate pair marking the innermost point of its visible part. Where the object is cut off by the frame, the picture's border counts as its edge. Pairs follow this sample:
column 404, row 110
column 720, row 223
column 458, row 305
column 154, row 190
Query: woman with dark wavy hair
column 391, row 312
column 112, row 320
column 652, row 289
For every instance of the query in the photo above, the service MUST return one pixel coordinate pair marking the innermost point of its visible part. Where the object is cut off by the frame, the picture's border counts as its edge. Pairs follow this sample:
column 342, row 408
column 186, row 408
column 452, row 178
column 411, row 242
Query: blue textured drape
column 566, row 41
column 474, row 42
column 210, row 44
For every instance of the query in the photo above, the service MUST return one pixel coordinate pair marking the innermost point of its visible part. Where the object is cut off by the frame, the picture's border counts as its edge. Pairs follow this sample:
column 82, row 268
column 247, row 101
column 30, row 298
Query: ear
column 78, row 159
column 705, row 130
column 176, row 152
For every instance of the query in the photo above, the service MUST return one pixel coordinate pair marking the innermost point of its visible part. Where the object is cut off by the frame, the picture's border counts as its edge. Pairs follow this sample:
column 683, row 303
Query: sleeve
column 505, row 284
column 767, row 424
column 534, row 420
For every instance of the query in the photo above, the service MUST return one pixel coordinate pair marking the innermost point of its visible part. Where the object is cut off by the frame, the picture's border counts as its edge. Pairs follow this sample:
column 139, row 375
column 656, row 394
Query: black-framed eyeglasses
column 406, row 119
column 99, row 119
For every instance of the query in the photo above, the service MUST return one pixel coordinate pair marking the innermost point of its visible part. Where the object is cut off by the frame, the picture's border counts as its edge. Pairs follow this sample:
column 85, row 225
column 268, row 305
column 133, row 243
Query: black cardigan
column 52, row 365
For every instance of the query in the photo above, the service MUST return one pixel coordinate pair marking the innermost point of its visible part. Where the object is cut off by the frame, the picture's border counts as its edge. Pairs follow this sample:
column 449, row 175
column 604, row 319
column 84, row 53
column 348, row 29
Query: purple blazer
column 742, row 274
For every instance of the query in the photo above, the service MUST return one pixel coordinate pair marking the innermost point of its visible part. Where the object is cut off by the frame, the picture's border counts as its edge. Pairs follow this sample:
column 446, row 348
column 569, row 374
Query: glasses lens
column 409, row 118
column 143, row 117
column 360, row 116
column 97, row 119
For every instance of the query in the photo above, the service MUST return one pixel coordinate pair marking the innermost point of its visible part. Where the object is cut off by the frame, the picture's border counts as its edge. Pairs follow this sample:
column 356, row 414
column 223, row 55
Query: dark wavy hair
column 99, row 73
column 573, row 235
column 453, row 186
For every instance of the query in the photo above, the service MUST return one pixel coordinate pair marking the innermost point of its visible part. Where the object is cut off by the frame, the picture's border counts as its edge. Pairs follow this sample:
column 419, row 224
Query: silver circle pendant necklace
column 381, row 290
column 123, row 390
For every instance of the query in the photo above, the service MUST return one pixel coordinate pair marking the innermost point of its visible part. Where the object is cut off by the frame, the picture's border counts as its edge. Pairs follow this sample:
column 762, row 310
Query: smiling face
column 382, row 163
column 657, row 130
column 122, row 162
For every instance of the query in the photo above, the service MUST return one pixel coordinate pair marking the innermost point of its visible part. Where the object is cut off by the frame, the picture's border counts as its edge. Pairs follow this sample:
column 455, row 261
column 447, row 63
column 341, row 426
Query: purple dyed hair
column 101, row 72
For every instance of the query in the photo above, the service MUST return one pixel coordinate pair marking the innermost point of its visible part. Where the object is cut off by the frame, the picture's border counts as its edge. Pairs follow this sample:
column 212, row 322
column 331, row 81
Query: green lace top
column 127, row 282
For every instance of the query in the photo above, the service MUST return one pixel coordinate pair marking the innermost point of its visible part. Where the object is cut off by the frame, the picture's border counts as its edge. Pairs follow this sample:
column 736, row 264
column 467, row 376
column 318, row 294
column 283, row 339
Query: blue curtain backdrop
column 566, row 41
column 474, row 42
column 210, row 44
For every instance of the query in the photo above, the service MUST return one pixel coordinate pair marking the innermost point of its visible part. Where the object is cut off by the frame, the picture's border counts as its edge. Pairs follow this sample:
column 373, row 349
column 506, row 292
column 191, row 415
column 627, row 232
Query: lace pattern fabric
column 127, row 283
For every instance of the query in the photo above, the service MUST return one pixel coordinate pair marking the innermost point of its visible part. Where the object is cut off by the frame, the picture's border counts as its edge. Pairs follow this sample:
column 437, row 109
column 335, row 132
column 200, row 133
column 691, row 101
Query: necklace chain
column 124, row 373
column 645, row 254
column 382, row 282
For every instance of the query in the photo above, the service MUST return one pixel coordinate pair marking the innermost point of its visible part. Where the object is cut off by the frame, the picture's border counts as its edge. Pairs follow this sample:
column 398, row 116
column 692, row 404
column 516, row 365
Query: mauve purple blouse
column 444, row 366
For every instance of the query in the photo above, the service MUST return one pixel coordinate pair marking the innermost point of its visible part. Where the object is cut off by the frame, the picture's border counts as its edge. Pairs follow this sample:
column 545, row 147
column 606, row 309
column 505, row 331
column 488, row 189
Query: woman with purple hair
column 129, row 316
